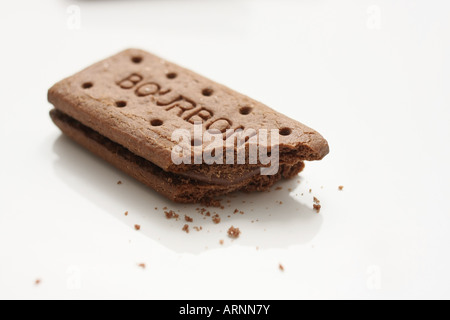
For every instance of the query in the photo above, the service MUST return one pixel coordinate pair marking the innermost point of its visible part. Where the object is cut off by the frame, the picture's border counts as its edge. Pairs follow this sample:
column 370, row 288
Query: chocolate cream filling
column 225, row 179
column 221, row 181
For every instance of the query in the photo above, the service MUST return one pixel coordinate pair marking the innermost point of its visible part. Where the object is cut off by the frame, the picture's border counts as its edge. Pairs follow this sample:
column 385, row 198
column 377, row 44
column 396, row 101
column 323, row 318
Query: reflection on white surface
column 271, row 220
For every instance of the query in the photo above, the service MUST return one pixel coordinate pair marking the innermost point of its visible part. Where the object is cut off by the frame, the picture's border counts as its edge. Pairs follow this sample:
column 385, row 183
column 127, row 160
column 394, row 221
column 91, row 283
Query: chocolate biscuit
column 125, row 109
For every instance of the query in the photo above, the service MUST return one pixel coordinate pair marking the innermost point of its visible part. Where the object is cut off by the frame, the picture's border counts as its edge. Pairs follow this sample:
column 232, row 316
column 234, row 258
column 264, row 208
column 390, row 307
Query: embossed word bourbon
column 175, row 103
column 220, row 143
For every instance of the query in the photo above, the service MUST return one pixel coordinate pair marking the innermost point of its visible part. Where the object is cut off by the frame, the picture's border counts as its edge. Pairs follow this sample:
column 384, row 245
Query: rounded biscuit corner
column 320, row 147
column 133, row 51
column 52, row 92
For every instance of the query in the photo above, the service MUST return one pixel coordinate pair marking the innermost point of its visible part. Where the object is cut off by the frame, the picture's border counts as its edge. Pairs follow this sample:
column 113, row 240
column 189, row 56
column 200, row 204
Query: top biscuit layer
column 138, row 99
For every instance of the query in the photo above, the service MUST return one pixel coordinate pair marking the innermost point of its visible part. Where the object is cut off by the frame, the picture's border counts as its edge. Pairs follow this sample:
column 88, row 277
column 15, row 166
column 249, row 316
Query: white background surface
column 371, row 76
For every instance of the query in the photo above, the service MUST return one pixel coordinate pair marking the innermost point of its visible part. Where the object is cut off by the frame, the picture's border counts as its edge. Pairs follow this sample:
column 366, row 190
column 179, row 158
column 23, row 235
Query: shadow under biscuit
column 270, row 220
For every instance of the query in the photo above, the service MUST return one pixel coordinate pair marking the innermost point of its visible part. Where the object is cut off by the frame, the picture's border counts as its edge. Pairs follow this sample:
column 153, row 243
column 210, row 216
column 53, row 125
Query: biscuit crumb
column 171, row 214
column 317, row 207
column 316, row 201
column 119, row 182
column 221, row 242
column 156, row 208
column 236, row 211
column 141, row 265
column 188, row 219
column 281, row 267
column 137, row 227
column 208, row 214
column 234, row 232
column 310, row 190
column 37, row 282
column 126, row 213
column 201, row 210
column 279, row 188
column 216, row 218
column 198, row 228
column 186, row 228
column 341, row 188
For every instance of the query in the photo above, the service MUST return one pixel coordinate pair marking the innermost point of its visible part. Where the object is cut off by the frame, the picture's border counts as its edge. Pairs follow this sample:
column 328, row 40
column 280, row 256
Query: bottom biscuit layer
column 173, row 186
